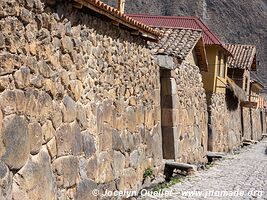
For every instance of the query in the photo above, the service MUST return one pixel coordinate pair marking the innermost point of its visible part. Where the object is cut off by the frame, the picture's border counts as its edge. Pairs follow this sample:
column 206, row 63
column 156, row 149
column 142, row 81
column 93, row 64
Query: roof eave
column 121, row 18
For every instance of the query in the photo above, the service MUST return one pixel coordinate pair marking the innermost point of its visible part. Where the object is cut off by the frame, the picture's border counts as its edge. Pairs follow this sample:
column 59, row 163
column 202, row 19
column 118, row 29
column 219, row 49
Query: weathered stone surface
column 45, row 69
column 88, row 144
column 81, row 117
column 117, row 141
column 57, row 115
column 5, row 181
column 12, row 101
column 35, row 180
column 85, row 189
column 91, row 168
column 35, row 136
column 69, row 139
column 63, row 70
column 134, row 158
column 104, row 167
column 15, row 136
column 22, row 77
column 52, row 148
column 67, row 44
column 66, row 170
column 76, row 87
column 48, row 131
column 70, row 110
column 118, row 164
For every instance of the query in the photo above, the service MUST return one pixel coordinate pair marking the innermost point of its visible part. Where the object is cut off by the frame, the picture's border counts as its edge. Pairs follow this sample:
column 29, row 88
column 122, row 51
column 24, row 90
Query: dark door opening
column 169, row 131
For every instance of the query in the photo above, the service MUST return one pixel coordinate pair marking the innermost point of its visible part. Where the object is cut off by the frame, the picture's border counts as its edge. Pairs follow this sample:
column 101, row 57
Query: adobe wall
column 224, row 122
column 80, row 104
column 188, row 121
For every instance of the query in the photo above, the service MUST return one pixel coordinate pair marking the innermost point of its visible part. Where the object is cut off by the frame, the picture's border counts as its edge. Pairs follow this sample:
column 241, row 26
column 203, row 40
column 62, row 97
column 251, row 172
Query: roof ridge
column 162, row 16
column 200, row 22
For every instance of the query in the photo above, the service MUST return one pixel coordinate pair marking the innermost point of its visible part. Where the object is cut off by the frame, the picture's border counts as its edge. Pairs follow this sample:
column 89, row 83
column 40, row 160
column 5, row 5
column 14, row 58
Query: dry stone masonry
column 224, row 122
column 81, row 106
column 187, row 102
column 80, row 103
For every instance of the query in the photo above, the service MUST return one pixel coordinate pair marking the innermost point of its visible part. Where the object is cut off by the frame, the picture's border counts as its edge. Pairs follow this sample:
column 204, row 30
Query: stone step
column 250, row 141
column 212, row 154
column 180, row 166
column 171, row 165
column 247, row 143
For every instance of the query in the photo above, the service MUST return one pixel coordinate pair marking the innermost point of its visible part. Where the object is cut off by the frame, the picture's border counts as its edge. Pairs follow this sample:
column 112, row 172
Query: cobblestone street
column 245, row 172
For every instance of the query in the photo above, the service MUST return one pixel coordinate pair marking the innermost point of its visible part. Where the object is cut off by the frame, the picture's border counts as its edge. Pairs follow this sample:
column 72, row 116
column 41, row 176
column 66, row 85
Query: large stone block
column 13, row 101
column 91, row 168
column 76, row 87
column 70, row 109
column 118, row 164
column 22, row 77
column 35, row 180
column 5, row 181
column 66, row 170
column 85, row 190
column 35, row 136
column 15, row 136
column 89, row 144
column 169, row 138
column 69, row 140
column 168, row 86
column 104, row 167
column 48, row 131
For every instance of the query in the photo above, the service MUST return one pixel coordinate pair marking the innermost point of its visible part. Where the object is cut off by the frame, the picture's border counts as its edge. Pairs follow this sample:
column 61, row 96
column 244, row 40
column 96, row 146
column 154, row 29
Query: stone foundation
column 80, row 103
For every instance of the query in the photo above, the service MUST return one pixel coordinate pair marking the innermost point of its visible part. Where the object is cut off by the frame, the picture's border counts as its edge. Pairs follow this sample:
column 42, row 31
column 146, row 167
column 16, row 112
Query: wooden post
column 121, row 5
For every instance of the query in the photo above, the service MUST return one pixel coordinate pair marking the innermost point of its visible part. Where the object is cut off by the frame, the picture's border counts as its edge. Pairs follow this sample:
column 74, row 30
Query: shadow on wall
column 231, row 100
column 266, row 151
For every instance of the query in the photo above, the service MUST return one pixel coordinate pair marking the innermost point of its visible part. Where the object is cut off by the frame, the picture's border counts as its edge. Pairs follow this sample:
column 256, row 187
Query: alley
column 244, row 173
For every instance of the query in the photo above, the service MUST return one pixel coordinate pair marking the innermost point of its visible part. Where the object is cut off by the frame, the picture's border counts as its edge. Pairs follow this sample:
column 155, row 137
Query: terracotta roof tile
column 244, row 56
column 180, row 22
column 176, row 42
column 109, row 11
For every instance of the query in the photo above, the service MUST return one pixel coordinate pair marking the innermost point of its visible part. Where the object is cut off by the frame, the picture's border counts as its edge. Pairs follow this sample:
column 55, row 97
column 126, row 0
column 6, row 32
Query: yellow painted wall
column 209, row 77
column 212, row 82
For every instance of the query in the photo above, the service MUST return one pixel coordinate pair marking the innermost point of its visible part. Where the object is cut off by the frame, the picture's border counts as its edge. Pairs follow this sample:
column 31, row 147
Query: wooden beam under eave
column 77, row 5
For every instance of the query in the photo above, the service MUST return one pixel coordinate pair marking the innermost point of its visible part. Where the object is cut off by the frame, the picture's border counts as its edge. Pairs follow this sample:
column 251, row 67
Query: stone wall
column 225, row 128
column 246, row 114
column 185, row 101
column 80, row 103
column 254, row 123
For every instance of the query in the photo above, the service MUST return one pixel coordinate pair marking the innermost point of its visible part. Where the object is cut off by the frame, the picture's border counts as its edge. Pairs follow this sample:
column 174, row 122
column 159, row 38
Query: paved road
column 244, row 173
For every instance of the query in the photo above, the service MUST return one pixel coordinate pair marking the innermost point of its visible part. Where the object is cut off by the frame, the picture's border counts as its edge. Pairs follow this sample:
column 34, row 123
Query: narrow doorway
column 168, row 114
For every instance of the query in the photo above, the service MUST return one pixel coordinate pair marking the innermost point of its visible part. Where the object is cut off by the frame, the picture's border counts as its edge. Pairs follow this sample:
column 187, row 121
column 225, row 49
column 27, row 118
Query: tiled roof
column 244, row 56
column 180, row 22
column 115, row 14
column 175, row 42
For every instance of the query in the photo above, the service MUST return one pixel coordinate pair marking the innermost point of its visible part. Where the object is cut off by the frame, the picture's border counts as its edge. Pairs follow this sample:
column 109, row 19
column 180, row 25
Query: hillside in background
column 242, row 21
